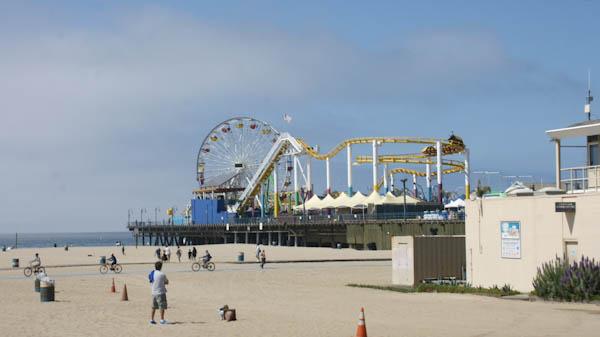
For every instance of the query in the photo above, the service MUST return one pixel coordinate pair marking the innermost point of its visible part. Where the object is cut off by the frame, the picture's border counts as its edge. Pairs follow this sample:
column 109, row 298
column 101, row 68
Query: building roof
column 587, row 128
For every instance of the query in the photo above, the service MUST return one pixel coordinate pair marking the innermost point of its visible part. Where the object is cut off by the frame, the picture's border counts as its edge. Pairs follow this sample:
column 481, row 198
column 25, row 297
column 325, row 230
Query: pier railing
column 321, row 219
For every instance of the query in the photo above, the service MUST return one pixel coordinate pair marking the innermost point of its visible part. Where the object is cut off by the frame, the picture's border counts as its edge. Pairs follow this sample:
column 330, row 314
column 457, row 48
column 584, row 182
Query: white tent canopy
column 342, row 201
column 390, row 199
column 373, row 198
column 311, row 204
column 410, row 199
column 326, row 202
column 358, row 200
column 458, row 203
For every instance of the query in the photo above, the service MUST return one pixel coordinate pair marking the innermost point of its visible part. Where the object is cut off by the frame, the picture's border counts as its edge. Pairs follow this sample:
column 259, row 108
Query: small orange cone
column 361, row 331
column 124, row 296
column 112, row 288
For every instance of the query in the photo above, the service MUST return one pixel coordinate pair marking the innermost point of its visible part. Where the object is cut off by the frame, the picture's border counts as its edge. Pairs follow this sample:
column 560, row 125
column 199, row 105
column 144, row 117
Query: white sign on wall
column 511, row 239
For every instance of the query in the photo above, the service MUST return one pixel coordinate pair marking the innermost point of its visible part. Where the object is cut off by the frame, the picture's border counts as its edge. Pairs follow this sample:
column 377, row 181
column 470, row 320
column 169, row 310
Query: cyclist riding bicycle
column 36, row 262
column 206, row 258
column 113, row 261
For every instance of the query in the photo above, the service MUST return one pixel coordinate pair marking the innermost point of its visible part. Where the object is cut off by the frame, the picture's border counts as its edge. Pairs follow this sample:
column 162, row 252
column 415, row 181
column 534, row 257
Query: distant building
column 507, row 239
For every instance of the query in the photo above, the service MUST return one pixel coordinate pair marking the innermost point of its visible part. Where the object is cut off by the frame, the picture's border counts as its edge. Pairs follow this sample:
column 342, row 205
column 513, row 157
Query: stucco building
column 508, row 238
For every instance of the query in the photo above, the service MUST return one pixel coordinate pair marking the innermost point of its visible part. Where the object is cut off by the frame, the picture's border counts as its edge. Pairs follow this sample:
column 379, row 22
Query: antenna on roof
column 589, row 98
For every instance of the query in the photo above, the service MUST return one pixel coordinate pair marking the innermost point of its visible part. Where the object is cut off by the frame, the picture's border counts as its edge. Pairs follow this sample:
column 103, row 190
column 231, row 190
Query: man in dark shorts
column 159, row 293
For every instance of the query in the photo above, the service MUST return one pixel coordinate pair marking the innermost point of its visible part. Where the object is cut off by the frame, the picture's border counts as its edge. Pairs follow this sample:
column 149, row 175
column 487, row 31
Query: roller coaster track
column 455, row 166
column 286, row 141
column 283, row 143
column 448, row 147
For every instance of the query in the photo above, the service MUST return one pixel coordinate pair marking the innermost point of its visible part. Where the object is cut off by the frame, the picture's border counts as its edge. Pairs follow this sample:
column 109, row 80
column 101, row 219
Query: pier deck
column 294, row 231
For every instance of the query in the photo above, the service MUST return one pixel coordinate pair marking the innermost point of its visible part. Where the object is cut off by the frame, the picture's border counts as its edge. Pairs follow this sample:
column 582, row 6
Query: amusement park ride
column 248, row 163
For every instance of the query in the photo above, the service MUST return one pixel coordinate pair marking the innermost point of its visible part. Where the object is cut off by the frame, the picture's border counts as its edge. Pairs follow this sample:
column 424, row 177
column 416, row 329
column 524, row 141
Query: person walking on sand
column 178, row 253
column 123, row 249
column 190, row 254
column 157, row 252
column 263, row 259
column 194, row 253
column 159, row 293
column 258, row 252
column 168, row 253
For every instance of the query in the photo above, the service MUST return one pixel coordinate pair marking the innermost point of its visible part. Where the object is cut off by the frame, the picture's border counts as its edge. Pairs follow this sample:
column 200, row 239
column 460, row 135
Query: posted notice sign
column 566, row 207
column 511, row 239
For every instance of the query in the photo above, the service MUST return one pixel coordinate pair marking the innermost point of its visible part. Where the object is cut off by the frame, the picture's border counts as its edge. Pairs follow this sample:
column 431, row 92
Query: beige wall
column 543, row 235
column 403, row 262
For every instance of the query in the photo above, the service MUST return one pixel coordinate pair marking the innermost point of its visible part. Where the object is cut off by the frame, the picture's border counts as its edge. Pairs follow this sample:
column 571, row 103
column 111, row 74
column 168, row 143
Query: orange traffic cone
column 112, row 288
column 124, row 296
column 361, row 331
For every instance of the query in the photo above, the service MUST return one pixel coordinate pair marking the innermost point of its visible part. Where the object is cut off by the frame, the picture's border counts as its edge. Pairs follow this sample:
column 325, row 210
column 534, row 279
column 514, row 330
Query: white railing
column 581, row 179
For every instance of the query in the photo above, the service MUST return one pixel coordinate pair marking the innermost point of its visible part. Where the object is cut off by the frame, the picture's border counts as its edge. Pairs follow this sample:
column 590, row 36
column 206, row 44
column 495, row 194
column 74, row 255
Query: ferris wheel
column 231, row 153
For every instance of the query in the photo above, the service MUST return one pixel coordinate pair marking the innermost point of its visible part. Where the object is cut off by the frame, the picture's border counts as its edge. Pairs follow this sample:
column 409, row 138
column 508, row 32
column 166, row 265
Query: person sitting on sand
column 113, row 261
column 36, row 262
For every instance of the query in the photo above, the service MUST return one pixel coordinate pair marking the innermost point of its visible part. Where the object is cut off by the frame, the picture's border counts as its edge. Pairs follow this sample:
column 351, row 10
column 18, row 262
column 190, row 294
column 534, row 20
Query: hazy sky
column 104, row 105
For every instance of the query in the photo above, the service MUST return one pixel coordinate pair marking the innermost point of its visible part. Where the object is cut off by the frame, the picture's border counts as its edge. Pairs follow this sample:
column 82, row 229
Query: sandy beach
column 284, row 299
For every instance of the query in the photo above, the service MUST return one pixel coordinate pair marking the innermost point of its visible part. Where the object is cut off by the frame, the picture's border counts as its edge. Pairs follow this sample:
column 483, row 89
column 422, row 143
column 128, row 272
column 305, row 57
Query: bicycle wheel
column 195, row 266
column 118, row 268
column 27, row 271
column 210, row 266
column 103, row 269
column 41, row 270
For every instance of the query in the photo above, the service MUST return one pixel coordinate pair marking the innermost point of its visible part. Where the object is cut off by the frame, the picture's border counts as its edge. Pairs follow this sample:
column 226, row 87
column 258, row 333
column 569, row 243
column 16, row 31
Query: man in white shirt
column 168, row 253
column 258, row 252
column 36, row 262
column 159, row 293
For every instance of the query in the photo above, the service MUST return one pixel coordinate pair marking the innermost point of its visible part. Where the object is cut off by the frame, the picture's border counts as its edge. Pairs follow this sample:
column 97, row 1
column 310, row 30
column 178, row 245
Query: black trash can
column 15, row 263
column 36, row 285
column 46, row 291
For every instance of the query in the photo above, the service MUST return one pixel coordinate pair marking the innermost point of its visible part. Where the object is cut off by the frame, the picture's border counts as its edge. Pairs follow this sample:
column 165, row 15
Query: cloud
column 88, row 109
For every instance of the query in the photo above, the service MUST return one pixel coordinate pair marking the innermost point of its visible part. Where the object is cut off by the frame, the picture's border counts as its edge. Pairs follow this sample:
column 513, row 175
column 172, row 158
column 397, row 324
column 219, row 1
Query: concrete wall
column 359, row 235
column 544, row 233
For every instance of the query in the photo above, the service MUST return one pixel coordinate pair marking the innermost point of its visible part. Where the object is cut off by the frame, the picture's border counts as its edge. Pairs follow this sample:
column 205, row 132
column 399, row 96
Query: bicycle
column 196, row 266
column 28, row 271
column 105, row 267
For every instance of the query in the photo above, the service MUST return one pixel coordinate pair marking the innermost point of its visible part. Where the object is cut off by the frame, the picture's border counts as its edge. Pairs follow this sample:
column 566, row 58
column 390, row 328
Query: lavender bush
column 576, row 282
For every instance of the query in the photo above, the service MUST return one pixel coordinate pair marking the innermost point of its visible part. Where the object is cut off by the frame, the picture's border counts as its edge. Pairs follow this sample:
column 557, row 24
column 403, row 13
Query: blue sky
column 105, row 104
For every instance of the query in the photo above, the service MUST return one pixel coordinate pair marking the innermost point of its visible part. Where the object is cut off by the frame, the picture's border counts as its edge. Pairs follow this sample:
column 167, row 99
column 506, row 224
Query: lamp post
column 174, row 209
column 304, row 194
column 404, row 194
column 156, row 210
column 142, row 214
column 129, row 213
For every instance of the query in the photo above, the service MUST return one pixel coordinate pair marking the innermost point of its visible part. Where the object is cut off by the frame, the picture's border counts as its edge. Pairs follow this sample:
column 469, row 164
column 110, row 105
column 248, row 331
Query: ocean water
column 40, row 240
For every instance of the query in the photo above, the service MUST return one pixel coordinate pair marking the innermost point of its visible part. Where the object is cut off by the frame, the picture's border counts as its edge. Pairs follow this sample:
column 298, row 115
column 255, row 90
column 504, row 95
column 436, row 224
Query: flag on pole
column 287, row 118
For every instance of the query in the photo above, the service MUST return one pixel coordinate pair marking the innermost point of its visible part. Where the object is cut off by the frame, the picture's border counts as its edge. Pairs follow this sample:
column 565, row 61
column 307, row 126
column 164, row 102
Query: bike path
column 170, row 268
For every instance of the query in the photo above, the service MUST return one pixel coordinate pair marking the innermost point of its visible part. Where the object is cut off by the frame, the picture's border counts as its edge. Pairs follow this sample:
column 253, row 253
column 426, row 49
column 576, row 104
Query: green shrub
column 444, row 288
column 576, row 282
